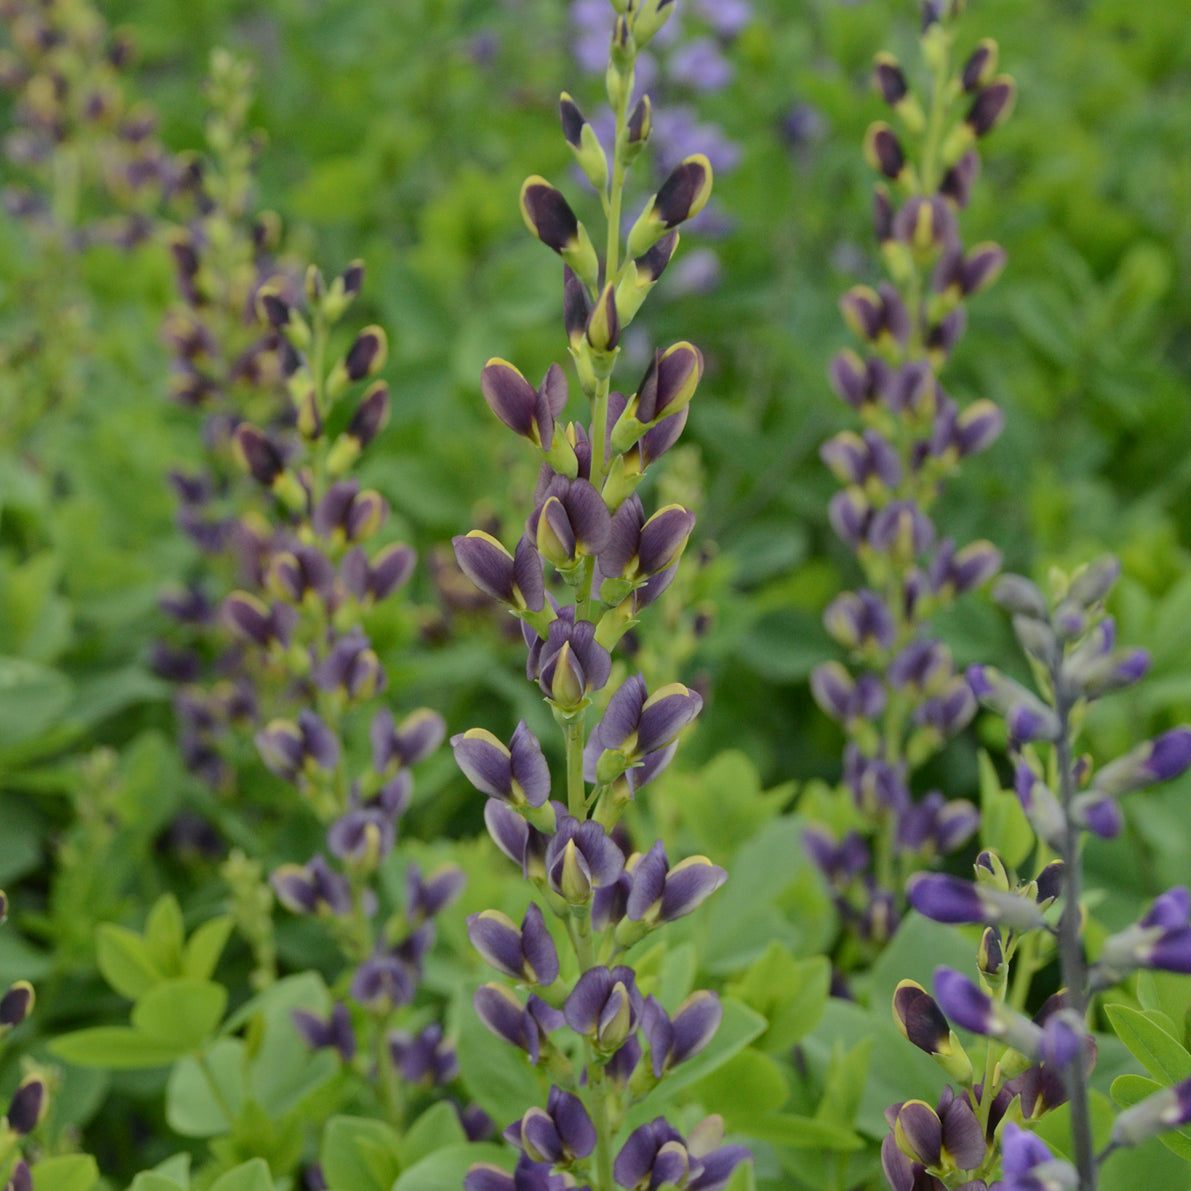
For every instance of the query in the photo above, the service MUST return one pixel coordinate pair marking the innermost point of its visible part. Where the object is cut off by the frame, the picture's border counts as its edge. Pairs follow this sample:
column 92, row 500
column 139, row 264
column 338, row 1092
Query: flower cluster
column 585, row 1022
column 904, row 697
column 1044, row 1062
column 74, row 131
column 286, row 656
column 686, row 61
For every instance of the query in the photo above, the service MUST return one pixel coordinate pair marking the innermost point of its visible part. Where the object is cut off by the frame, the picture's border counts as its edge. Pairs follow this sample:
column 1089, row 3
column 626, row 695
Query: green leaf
column 797, row 1132
column 193, row 1108
column 791, row 993
column 176, row 1168
column 67, row 1172
column 1128, row 1090
column 116, row 1047
column 32, row 697
column 183, row 1012
column 1161, row 1054
column 359, row 1154
column 446, row 1168
column 248, row 1176
column 205, row 947
column 748, row 1085
column 165, row 934
column 846, row 1077
column 436, row 1129
column 1004, row 827
column 124, row 961
column 149, row 1180
column 1169, row 993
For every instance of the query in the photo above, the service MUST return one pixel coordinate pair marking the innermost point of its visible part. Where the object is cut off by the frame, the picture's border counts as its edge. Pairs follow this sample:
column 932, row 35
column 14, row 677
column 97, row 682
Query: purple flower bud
column 963, row 1002
column 252, row 620
column 605, row 1007
column 524, row 1027
column 426, row 897
column 1168, row 1109
column 27, row 1106
column 290, row 749
column 513, row 579
column 527, row 953
column 844, row 698
column 516, row 773
column 580, row 858
column 16, row 1004
column 944, row 898
column 901, row 529
column 669, row 383
column 526, row 411
column 384, row 980
column 883, row 150
column 860, row 620
column 312, row 889
column 548, row 215
column 570, row 663
column 558, row 1134
column 425, row 1059
column 674, row 1040
column 661, row 894
column 889, row 79
column 1158, row 760
column 334, row 1032
column 991, row 106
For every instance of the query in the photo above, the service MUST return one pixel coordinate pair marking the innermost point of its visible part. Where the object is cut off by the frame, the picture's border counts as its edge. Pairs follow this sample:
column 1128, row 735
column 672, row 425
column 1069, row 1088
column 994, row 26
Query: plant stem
column 576, row 786
column 1071, row 957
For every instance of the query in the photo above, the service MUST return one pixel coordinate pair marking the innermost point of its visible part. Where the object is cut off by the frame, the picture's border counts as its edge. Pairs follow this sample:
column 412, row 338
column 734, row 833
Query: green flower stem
column 576, row 786
column 934, row 127
column 1071, row 958
column 388, row 1083
column 602, row 1117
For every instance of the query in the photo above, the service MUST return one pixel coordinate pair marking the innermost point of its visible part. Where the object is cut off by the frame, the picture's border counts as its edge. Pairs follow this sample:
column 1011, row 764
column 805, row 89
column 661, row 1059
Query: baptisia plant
column 580, row 1016
column 278, row 513
column 1032, row 1065
column 903, row 697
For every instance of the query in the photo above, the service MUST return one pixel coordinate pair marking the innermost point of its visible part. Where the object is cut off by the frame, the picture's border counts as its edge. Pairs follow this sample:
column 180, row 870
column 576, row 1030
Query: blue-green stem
column 576, row 786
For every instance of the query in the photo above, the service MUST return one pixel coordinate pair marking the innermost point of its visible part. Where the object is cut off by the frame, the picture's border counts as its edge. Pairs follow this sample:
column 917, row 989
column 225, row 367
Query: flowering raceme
column 588, row 563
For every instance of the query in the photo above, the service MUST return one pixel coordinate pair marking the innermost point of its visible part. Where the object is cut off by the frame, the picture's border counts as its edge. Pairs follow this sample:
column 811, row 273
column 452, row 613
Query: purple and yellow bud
column 637, row 129
column 342, row 291
column 549, row 217
column 512, row 579
column 16, row 1004
column 883, row 151
column 516, row 774
column 921, row 1022
column 273, row 309
column 992, row 106
column 585, row 145
column 27, row 1106
column 681, row 197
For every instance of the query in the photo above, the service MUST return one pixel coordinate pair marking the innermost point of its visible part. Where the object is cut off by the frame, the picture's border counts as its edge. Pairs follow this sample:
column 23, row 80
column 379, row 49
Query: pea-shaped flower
column 515, row 773
column 526, row 953
column 580, row 858
column 605, row 1007
column 557, row 1134
column 524, row 1026
column 513, row 579
column 661, row 893
column 569, row 663
column 673, row 1040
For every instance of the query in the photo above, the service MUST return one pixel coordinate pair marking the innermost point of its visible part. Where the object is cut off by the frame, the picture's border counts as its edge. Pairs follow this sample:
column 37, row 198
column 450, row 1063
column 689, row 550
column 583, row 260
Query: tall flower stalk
column 588, row 529
column 1071, row 647
column 903, row 697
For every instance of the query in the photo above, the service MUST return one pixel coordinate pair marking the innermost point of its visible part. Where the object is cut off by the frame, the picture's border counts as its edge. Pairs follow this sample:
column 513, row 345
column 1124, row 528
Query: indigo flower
column 522, row 1026
column 558, row 1134
column 335, row 1032
column 605, row 1007
column 673, row 1040
column 526, row 953
column 516, row 773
